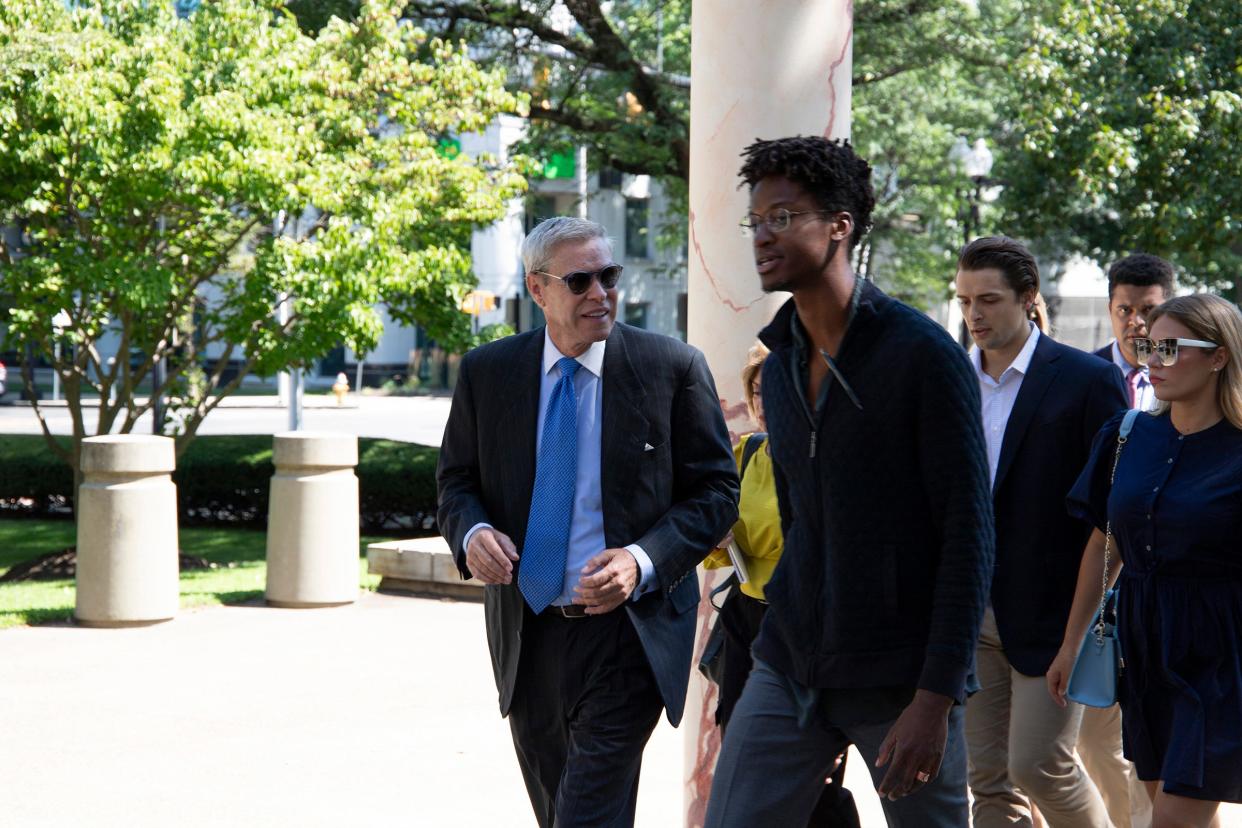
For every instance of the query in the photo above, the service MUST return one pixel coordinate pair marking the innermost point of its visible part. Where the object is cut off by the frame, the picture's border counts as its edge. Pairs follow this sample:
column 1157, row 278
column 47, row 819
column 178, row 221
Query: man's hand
column 607, row 581
column 914, row 746
column 490, row 556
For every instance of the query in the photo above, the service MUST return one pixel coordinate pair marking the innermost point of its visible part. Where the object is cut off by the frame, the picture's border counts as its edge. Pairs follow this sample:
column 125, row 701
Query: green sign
column 560, row 165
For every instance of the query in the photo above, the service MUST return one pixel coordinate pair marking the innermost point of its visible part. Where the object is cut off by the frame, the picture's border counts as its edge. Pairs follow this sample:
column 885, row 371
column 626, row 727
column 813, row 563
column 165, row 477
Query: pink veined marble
column 760, row 70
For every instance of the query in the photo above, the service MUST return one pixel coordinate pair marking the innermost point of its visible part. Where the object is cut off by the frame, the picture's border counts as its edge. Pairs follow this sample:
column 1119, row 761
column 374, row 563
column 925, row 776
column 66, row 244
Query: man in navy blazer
column 585, row 471
column 1042, row 404
column 1136, row 285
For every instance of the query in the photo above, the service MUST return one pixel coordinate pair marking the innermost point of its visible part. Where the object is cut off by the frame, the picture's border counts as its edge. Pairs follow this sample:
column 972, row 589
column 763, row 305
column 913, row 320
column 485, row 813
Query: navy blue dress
column 1176, row 512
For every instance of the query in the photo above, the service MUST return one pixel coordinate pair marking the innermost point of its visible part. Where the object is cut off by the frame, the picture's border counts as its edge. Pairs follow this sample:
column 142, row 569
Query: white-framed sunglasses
column 1166, row 349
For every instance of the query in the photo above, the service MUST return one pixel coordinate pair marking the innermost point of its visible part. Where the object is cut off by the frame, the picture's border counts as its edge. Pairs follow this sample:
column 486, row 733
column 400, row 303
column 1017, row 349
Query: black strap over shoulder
column 753, row 444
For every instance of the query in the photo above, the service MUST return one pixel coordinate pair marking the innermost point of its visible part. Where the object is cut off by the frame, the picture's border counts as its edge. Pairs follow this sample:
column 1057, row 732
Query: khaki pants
column 1021, row 744
column 1099, row 747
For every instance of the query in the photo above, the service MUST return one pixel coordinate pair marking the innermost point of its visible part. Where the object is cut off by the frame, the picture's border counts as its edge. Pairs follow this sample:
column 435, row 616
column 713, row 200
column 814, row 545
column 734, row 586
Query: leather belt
column 566, row 611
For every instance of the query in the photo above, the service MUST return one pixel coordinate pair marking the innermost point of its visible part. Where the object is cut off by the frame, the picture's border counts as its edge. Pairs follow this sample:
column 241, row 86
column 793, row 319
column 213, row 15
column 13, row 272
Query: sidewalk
column 381, row 713
column 376, row 714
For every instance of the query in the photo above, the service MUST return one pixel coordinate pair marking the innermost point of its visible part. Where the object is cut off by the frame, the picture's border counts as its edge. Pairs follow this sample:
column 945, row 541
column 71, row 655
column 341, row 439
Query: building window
column 609, row 179
column 636, row 232
column 636, row 314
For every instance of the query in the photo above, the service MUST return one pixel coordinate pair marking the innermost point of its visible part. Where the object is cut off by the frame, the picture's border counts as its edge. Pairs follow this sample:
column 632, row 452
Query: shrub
column 225, row 479
column 30, row 475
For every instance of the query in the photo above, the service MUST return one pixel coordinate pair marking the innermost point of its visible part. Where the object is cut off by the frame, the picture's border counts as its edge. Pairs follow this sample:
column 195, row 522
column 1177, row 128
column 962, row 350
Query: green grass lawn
column 238, row 553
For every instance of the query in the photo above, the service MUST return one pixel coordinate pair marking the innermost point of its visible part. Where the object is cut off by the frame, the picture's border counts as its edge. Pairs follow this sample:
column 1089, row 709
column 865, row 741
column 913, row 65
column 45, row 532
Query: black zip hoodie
column 885, row 506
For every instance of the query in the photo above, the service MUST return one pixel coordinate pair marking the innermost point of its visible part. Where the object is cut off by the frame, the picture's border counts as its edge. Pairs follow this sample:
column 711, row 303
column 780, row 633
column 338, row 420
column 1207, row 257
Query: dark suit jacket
column 675, row 499
column 1106, row 352
column 1065, row 397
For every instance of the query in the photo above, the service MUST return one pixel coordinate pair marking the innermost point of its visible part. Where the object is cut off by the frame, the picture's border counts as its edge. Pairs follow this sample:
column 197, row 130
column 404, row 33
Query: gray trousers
column 777, row 752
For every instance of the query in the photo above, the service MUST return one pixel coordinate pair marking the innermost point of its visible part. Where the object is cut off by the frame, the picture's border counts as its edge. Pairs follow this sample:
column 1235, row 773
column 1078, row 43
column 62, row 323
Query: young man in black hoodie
column 882, row 481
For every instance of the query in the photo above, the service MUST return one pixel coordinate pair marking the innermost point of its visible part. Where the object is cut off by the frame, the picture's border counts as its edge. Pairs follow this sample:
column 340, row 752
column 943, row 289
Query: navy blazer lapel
column 1039, row 375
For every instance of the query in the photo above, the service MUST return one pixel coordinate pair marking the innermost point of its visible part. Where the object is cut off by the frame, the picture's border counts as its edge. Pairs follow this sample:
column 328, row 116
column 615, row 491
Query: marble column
column 312, row 524
column 127, row 566
column 759, row 70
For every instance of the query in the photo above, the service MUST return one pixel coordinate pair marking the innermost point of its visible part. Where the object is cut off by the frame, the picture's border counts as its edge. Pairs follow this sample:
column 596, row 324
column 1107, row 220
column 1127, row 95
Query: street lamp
column 976, row 162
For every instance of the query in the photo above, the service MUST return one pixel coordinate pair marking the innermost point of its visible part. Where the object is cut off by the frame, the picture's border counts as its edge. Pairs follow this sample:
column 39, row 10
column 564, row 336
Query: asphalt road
column 413, row 419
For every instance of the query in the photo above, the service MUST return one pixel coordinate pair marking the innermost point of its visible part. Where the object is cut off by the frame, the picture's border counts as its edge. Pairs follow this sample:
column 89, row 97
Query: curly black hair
column 830, row 171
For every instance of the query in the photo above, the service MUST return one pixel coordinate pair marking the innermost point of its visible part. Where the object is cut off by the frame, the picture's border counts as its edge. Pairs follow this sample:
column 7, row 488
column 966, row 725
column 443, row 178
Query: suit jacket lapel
column 625, row 428
column 521, row 419
column 1039, row 375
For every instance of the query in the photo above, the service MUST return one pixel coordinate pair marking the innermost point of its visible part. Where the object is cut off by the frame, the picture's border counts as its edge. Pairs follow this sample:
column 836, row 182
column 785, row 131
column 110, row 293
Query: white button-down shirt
column 586, row 528
column 1000, row 395
column 1145, row 398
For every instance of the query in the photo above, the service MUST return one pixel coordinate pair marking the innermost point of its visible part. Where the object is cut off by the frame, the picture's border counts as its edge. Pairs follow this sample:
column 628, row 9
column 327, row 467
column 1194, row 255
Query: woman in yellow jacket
column 758, row 542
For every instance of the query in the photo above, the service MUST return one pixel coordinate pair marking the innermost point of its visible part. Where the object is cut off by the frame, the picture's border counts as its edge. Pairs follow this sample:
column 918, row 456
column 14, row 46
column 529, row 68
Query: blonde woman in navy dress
column 1175, row 508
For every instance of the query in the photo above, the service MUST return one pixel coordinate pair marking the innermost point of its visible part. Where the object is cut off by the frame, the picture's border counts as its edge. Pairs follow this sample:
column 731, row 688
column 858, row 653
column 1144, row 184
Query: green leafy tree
column 925, row 73
column 615, row 77
column 175, row 181
column 1125, row 136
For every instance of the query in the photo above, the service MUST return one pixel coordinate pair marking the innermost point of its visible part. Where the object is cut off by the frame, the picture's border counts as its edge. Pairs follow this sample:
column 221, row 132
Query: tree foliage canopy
column 1111, row 120
column 174, row 180
column 615, row 77
column 1126, row 136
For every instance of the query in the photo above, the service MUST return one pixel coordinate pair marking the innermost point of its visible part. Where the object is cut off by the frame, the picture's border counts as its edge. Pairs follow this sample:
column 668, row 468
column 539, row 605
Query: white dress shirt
column 586, row 528
column 1145, row 398
column 1000, row 395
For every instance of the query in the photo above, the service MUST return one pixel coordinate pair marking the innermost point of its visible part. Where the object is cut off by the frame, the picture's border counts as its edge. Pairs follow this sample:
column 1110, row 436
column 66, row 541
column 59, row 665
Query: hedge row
column 225, row 479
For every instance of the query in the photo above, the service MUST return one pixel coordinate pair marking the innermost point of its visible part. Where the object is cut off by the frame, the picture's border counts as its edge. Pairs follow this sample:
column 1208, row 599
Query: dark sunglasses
column 1166, row 349
column 580, row 280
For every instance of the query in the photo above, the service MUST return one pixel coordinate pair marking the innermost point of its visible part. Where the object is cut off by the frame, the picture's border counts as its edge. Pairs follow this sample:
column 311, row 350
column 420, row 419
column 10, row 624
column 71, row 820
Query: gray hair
column 538, row 247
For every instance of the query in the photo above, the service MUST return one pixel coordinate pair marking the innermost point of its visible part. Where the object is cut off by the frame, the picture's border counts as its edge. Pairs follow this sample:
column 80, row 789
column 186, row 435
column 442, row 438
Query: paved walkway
column 376, row 714
column 381, row 713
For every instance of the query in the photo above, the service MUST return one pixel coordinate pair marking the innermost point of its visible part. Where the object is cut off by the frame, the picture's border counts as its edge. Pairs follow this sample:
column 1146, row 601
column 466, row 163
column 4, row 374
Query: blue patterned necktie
column 541, row 575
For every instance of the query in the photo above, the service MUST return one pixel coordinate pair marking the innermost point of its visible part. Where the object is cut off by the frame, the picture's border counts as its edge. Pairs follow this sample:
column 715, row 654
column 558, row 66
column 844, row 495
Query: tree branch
column 503, row 16
column 48, row 437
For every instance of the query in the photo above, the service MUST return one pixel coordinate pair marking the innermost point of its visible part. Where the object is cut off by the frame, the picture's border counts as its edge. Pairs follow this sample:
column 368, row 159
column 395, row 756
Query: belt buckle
column 570, row 610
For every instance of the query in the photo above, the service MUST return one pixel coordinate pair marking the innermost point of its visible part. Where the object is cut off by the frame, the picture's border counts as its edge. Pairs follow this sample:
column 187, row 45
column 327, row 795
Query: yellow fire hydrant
column 340, row 387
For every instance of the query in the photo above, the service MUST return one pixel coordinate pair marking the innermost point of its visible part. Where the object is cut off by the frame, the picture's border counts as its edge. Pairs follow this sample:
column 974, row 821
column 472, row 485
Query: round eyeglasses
column 1166, row 349
column 580, row 280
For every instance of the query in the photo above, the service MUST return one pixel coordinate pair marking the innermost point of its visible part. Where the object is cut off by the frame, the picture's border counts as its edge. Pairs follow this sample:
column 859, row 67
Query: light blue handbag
column 1093, row 681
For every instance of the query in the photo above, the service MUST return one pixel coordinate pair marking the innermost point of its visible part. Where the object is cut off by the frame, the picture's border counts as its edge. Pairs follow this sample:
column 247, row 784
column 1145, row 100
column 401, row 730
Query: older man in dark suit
column 585, row 471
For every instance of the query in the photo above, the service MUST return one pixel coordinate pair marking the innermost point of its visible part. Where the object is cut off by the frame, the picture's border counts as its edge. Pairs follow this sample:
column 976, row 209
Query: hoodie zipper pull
column 814, row 435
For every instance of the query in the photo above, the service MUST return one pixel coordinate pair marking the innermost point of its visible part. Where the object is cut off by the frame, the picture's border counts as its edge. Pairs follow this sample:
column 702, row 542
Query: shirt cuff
column 646, row 571
column 465, row 544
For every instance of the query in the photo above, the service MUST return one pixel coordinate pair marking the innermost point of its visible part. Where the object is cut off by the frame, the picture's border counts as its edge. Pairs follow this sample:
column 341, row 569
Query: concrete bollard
column 127, row 567
column 312, row 523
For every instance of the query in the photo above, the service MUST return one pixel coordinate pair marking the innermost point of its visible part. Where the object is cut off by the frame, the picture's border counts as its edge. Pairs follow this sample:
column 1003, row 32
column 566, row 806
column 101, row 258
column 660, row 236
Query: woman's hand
column 1059, row 674
column 725, row 541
